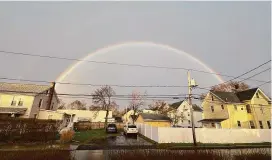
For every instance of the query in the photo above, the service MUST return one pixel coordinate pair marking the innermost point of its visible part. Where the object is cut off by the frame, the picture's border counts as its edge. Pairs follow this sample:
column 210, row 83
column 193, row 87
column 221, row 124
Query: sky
column 228, row 37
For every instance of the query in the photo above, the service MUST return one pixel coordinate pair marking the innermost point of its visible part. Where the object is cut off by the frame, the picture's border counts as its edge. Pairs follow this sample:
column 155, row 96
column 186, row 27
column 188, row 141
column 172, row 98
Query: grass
column 95, row 135
column 188, row 155
column 46, row 154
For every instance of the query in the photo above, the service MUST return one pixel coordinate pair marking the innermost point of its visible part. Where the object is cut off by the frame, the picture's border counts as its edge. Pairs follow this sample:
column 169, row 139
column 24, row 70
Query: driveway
column 118, row 142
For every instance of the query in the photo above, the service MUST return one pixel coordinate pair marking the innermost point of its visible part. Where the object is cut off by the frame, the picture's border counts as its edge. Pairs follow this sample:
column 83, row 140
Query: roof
column 196, row 108
column 12, row 110
column 227, row 96
column 23, row 88
column 211, row 120
column 247, row 94
column 176, row 104
column 154, row 117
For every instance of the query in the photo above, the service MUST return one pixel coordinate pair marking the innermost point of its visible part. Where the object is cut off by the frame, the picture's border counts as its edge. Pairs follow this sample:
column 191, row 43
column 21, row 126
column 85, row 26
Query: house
column 246, row 109
column 129, row 116
column 26, row 100
column 180, row 114
column 86, row 115
column 156, row 120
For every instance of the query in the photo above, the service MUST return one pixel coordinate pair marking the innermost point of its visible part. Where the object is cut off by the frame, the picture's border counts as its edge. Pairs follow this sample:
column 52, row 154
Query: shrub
column 67, row 136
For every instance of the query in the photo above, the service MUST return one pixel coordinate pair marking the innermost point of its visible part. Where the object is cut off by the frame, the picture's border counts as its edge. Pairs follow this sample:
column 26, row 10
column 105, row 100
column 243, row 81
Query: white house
column 86, row 115
column 181, row 114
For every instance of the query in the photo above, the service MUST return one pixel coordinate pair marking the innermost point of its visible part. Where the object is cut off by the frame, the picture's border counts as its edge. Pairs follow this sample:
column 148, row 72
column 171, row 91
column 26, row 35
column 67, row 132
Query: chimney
column 51, row 93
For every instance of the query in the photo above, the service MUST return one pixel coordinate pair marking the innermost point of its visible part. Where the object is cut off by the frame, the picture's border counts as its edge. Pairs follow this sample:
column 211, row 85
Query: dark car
column 111, row 128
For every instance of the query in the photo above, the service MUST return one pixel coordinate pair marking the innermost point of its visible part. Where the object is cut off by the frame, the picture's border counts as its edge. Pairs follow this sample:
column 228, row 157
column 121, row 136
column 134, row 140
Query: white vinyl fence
column 204, row 135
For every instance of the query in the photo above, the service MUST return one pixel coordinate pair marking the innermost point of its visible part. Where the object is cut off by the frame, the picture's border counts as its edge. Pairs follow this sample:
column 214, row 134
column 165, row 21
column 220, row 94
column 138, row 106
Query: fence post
column 151, row 132
column 144, row 129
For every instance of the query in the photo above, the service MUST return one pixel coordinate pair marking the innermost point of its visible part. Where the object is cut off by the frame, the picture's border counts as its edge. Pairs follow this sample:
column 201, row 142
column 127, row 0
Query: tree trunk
column 106, row 120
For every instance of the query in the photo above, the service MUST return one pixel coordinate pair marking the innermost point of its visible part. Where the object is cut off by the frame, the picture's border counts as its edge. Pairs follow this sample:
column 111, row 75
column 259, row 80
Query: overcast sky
column 229, row 37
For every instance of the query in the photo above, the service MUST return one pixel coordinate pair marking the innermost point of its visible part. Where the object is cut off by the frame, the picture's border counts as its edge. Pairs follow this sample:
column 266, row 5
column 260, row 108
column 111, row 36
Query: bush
column 67, row 136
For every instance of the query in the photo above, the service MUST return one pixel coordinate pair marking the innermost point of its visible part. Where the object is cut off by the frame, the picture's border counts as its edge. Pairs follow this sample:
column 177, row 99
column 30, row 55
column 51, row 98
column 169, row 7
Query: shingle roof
column 227, row 96
column 211, row 120
column 176, row 104
column 246, row 95
column 12, row 110
column 196, row 108
column 23, row 88
column 155, row 117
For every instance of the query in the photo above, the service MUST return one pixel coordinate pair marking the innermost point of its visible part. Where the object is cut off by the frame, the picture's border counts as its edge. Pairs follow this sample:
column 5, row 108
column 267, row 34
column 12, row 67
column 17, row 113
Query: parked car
column 111, row 128
column 130, row 129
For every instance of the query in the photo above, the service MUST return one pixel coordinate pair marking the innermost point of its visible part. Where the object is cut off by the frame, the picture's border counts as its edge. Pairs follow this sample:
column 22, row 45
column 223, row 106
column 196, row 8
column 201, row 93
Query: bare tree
column 77, row 104
column 160, row 106
column 61, row 104
column 137, row 101
column 102, row 97
column 231, row 86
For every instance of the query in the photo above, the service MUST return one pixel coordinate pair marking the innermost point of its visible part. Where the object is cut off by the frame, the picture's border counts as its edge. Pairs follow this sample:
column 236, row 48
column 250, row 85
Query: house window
column 238, row 123
column 251, row 123
column 261, row 124
column 212, row 108
column 213, row 125
column 222, row 106
column 268, row 124
column 235, row 107
column 182, row 121
column 188, row 114
column 20, row 102
column 261, row 108
column 189, row 121
column 248, row 108
column 13, row 103
column 242, row 108
column 40, row 103
column 257, row 95
column 212, row 98
column 35, row 116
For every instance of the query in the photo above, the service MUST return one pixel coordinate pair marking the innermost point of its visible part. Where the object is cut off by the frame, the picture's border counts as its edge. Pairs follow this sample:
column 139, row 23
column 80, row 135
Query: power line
column 89, row 84
column 242, row 74
column 264, row 83
column 255, row 74
column 122, row 64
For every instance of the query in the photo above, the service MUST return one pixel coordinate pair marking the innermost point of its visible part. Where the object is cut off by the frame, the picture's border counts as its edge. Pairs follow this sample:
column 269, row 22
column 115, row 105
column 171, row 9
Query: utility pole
column 191, row 84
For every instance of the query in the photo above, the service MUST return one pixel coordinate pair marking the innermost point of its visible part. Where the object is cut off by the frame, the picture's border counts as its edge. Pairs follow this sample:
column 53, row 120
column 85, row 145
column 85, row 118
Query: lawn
column 94, row 135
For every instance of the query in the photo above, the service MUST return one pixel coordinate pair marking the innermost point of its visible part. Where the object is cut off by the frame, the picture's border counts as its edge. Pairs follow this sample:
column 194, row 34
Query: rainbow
column 120, row 45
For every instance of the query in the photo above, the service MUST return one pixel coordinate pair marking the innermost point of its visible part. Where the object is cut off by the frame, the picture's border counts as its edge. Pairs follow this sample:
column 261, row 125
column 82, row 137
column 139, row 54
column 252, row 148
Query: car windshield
column 132, row 126
column 111, row 125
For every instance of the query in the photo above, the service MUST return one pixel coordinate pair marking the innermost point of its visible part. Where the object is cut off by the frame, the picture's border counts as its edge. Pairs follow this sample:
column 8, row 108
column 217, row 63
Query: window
column 257, row 95
column 40, row 103
column 213, row 125
column 13, row 103
column 222, row 106
column 20, row 102
column 212, row 108
column 261, row 124
column 182, row 121
column 188, row 114
column 268, row 124
column 212, row 98
column 248, row 108
column 251, row 123
column 238, row 123
column 261, row 108
column 242, row 108
column 35, row 116
column 235, row 107
column 189, row 121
